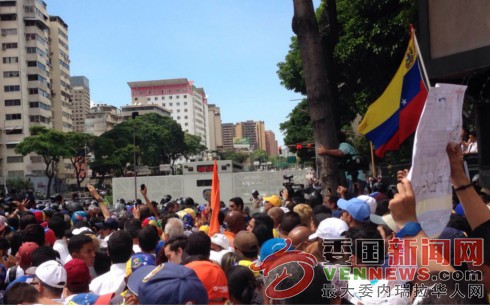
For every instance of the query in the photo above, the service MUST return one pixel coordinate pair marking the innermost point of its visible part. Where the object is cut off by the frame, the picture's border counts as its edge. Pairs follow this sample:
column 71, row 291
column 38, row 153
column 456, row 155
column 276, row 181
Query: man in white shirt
column 109, row 226
column 119, row 248
column 57, row 225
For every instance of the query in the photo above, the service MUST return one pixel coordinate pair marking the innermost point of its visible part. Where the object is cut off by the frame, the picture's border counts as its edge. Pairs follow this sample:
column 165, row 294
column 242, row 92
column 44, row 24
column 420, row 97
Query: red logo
column 277, row 260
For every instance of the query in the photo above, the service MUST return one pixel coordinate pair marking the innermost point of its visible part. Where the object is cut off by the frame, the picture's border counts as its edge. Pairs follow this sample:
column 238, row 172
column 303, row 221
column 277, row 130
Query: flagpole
column 372, row 160
column 420, row 55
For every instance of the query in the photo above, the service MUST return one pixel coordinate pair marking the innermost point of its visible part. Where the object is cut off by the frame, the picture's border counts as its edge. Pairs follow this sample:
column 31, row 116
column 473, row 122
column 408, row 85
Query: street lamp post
column 134, row 115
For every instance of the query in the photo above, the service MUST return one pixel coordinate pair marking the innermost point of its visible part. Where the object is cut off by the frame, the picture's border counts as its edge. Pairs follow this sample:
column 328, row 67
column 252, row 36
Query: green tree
column 193, row 145
column 48, row 143
column 19, row 184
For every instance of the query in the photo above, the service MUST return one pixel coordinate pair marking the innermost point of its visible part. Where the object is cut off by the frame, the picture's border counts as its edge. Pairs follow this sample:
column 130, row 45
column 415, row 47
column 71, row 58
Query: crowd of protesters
column 143, row 253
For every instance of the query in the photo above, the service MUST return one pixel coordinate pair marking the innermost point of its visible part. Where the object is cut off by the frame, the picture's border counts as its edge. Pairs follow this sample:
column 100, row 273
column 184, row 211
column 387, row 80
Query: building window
column 148, row 99
column 178, row 103
column 156, row 98
column 10, row 60
column 170, row 104
column 186, row 124
column 185, row 96
column 11, row 145
column 15, row 159
column 163, row 104
column 6, row 46
column 19, row 173
column 177, row 97
column 185, row 103
column 185, row 110
column 10, row 74
column 178, row 111
column 13, row 116
column 185, row 117
column 13, row 102
column 178, row 117
column 170, row 97
column 10, row 88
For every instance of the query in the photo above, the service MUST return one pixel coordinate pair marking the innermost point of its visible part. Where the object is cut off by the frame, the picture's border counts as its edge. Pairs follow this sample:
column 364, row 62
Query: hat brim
column 384, row 220
column 313, row 236
column 137, row 277
column 342, row 204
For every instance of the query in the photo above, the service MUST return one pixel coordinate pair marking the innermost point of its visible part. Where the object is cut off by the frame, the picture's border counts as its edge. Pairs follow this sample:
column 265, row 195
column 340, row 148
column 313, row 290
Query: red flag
column 215, row 202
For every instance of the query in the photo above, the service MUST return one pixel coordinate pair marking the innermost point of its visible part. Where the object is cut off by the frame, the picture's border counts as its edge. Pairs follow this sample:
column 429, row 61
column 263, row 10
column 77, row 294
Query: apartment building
column 254, row 131
column 188, row 103
column 143, row 109
column 228, row 132
column 35, row 84
column 271, row 146
column 215, row 131
column 80, row 91
column 102, row 118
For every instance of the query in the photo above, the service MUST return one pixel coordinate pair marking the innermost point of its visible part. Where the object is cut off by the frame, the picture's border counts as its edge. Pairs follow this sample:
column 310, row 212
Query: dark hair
column 238, row 201
column 42, row 254
column 133, row 227
column 27, row 218
column 76, row 243
column 341, row 137
column 57, row 225
column 145, row 212
column 13, row 222
column 198, row 245
column 120, row 247
column 21, row 293
column 16, row 241
column 177, row 242
column 241, row 284
column 263, row 228
column 54, row 291
column 102, row 263
column 382, row 207
column 221, row 217
column 472, row 133
column 333, row 199
column 311, row 295
column 321, row 209
column 460, row 223
column 148, row 238
column 319, row 218
column 166, row 216
column 4, row 244
column 358, row 234
column 289, row 221
column 34, row 233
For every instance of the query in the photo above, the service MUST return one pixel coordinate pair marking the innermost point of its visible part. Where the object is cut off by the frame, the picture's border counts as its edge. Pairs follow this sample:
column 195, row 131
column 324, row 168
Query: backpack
column 355, row 162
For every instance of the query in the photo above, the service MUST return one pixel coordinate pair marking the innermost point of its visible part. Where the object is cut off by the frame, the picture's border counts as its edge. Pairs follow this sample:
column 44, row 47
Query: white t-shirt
column 112, row 281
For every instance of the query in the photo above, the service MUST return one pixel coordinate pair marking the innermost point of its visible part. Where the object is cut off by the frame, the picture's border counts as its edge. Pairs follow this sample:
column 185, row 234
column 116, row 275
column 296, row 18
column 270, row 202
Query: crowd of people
column 277, row 253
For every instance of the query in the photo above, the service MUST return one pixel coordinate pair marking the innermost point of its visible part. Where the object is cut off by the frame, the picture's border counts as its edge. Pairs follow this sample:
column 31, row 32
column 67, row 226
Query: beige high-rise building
column 60, row 75
column 271, row 143
column 254, row 131
column 80, row 91
column 228, row 132
column 215, row 130
column 102, row 118
column 35, row 81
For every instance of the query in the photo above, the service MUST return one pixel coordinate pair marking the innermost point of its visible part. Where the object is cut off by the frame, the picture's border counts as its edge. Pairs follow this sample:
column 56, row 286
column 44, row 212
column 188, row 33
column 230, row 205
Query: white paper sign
column 441, row 122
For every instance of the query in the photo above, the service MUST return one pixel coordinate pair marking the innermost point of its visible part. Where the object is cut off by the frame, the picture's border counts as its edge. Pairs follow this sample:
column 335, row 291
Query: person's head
column 173, row 228
column 25, row 219
column 354, row 211
column 24, row 255
column 317, row 218
column 276, row 214
column 148, row 239
column 272, row 201
column 4, row 246
column 246, row 245
column 34, row 233
column 102, row 263
column 21, row 293
column 289, row 221
column 42, row 254
column 57, row 225
column 321, row 209
column 382, row 207
column 357, row 235
column 472, row 136
column 219, row 242
column 263, row 227
column 235, row 221
column 255, row 194
column 120, row 247
column 241, row 285
column 332, row 202
column 341, row 137
column 198, row 247
column 229, row 260
column 174, row 249
column 236, row 204
column 82, row 247
column 305, row 212
column 78, row 276
column 133, row 227
column 52, row 279
column 299, row 237
column 145, row 212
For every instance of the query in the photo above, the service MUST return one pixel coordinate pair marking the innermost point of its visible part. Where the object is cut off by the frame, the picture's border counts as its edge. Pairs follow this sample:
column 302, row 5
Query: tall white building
column 188, row 104
column 34, row 84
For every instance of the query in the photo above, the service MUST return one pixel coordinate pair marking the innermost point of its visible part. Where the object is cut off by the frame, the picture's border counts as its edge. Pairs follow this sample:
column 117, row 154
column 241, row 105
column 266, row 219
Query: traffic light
column 299, row 146
column 280, row 150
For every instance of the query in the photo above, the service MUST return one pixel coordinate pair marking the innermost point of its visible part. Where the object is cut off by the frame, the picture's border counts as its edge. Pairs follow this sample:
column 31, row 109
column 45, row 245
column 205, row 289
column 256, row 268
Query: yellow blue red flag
column 394, row 116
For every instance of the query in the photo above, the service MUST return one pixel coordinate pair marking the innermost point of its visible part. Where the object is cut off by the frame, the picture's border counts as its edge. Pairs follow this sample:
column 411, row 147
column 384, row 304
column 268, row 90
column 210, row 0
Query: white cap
column 52, row 274
column 370, row 201
column 80, row 230
column 384, row 220
column 221, row 240
column 330, row 228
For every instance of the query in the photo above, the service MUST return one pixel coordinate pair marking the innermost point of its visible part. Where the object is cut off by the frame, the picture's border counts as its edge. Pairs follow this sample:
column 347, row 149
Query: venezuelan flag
column 394, row 116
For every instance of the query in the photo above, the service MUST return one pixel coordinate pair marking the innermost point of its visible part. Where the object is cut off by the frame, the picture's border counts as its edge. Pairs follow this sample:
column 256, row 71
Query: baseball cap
column 79, row 216
column 167, row 283
column 80, row 230
column 139, row 260
column 459, row 209
column 271, row 246
column 214, row 280
column 384, row 220
column 369, row 201
column 38, row 214
column 221, row 240
column 246, row 241
column 330, row 228
column 25, row 253
column 357, row 208
column 77, row 273
column 255, row 192
column 109, row 223
column 52, row 274
column 49, row 236
column 91, row 299
column 274, row 200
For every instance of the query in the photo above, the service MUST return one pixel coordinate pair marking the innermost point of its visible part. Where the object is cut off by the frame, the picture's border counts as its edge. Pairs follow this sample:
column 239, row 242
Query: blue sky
column 230, row 48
